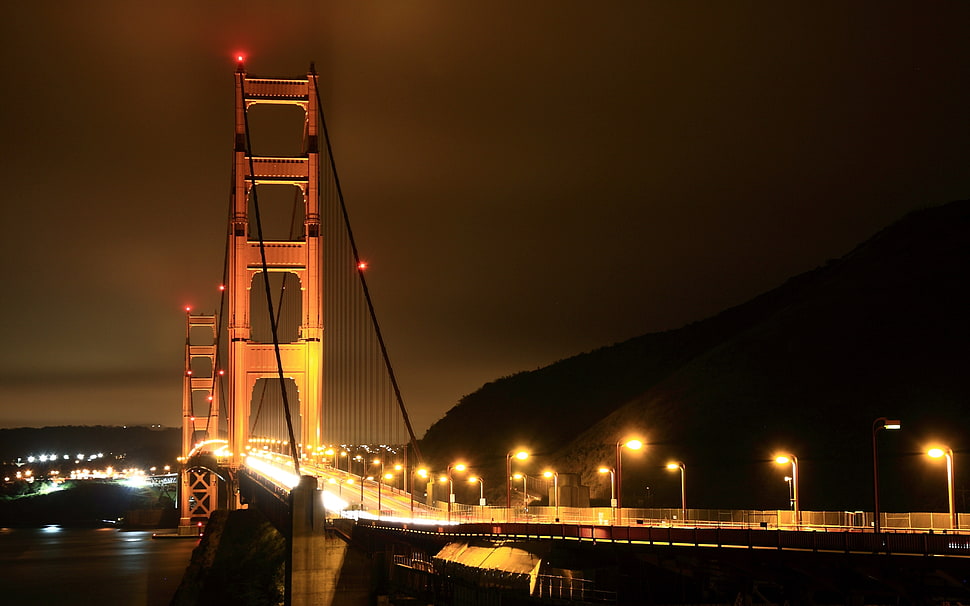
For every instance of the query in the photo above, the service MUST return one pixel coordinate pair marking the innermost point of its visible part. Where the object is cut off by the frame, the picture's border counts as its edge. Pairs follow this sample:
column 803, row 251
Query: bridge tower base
column 319, row 562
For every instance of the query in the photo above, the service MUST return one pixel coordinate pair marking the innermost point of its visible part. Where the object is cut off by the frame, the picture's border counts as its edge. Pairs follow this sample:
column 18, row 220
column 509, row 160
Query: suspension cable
column 360, row 270
column 265, row 267
column 219, row 318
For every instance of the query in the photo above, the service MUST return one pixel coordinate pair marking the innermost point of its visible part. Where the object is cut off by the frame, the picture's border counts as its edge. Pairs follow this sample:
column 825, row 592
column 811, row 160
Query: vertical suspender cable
column 360, row 273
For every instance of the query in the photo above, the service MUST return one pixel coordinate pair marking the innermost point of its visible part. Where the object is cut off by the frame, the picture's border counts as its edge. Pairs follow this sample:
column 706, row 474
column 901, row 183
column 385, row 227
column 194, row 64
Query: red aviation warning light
column 188, row 309
column 222, row 287
column 362, row 265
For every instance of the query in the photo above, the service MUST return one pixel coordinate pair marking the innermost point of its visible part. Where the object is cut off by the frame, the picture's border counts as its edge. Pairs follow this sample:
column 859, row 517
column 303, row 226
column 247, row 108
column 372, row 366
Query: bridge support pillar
column 317, row 559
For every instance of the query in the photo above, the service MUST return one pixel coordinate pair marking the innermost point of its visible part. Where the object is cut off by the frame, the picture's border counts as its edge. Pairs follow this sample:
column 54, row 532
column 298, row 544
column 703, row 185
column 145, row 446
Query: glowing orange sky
column 526, row 180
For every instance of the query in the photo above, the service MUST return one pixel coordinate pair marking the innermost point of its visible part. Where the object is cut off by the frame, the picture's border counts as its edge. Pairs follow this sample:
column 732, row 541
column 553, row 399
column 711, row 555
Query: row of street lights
column 877, row 425
column 635, row 444
column 616, row 476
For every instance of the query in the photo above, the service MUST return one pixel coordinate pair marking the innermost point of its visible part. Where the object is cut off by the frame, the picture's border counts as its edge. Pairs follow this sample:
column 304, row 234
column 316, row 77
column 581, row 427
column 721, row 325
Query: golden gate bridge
column 287, row 367
column 290, row 403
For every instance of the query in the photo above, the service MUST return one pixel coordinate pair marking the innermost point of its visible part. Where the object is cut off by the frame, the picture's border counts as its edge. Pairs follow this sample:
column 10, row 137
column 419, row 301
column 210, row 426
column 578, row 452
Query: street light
column 609, row 470
column 880, row 423
column 937, row 453
column 632, row 445
column 520, row 455
column 451, row 491
column 380, row 479
column 791, row 495
column 422, row 472
column 451, row 484
column 683, row 485
column 481, row 489
column 525, row 494
column 555, row 483
column 790, row 458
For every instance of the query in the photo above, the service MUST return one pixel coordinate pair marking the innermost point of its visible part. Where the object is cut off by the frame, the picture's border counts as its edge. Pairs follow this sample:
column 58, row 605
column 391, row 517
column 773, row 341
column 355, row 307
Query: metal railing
column 801, row 539
column 765, row 519
column 400, row 505
column 571, row 590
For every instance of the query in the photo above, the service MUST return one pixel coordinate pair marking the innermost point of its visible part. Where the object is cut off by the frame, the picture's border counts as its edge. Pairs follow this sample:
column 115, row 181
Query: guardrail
column 721, row 518
column 766, row 519
column 814, row 540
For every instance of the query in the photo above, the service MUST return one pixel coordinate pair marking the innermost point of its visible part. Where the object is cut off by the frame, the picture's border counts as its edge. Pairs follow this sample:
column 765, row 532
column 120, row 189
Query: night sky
column 527, row 180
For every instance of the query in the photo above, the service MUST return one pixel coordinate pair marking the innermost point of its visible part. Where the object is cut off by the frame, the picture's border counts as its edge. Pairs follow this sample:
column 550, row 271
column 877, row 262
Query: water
column 78, row 567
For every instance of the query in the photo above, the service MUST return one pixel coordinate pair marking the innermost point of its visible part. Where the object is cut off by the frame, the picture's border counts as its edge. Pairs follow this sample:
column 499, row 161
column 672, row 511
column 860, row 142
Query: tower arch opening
column 285, row 289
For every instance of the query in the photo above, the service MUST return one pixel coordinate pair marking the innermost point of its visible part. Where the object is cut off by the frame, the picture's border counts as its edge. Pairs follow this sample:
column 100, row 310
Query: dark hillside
column 805, row 367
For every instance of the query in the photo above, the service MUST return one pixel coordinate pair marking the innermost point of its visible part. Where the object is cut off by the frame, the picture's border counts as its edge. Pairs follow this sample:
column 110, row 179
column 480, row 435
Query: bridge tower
column 301, row 357
column 198, row 494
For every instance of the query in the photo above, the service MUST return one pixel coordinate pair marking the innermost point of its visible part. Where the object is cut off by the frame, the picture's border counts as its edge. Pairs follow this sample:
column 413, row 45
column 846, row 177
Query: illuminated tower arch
column 302, row 358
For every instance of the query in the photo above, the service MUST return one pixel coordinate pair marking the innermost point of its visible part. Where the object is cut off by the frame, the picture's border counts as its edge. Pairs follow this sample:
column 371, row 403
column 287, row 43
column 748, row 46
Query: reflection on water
column 77, row 567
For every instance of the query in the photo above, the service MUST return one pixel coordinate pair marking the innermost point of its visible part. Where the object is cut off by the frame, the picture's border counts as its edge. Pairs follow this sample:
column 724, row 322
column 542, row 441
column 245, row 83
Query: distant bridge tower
column 291, row 262
column 198, row 494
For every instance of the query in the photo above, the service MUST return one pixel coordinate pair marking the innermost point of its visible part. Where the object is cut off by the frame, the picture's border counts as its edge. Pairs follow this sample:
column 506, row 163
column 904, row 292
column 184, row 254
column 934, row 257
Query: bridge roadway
column 346, row 492
column 346, row 495
column 434, row 551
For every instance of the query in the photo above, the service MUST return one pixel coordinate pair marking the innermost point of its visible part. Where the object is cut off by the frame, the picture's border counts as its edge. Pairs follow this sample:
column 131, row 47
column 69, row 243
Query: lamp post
column 790, row 458
column 422, row 472
column 612, row 490
column 632, row 445
column 451, row 491
column 612, row 484
column 380, row 479
column 937, row 453
column 683, row 485
column 555, row 483
column 451, row 484
column 520, row 455
column 880, row 423
column 525, row 493
column 481, row 489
